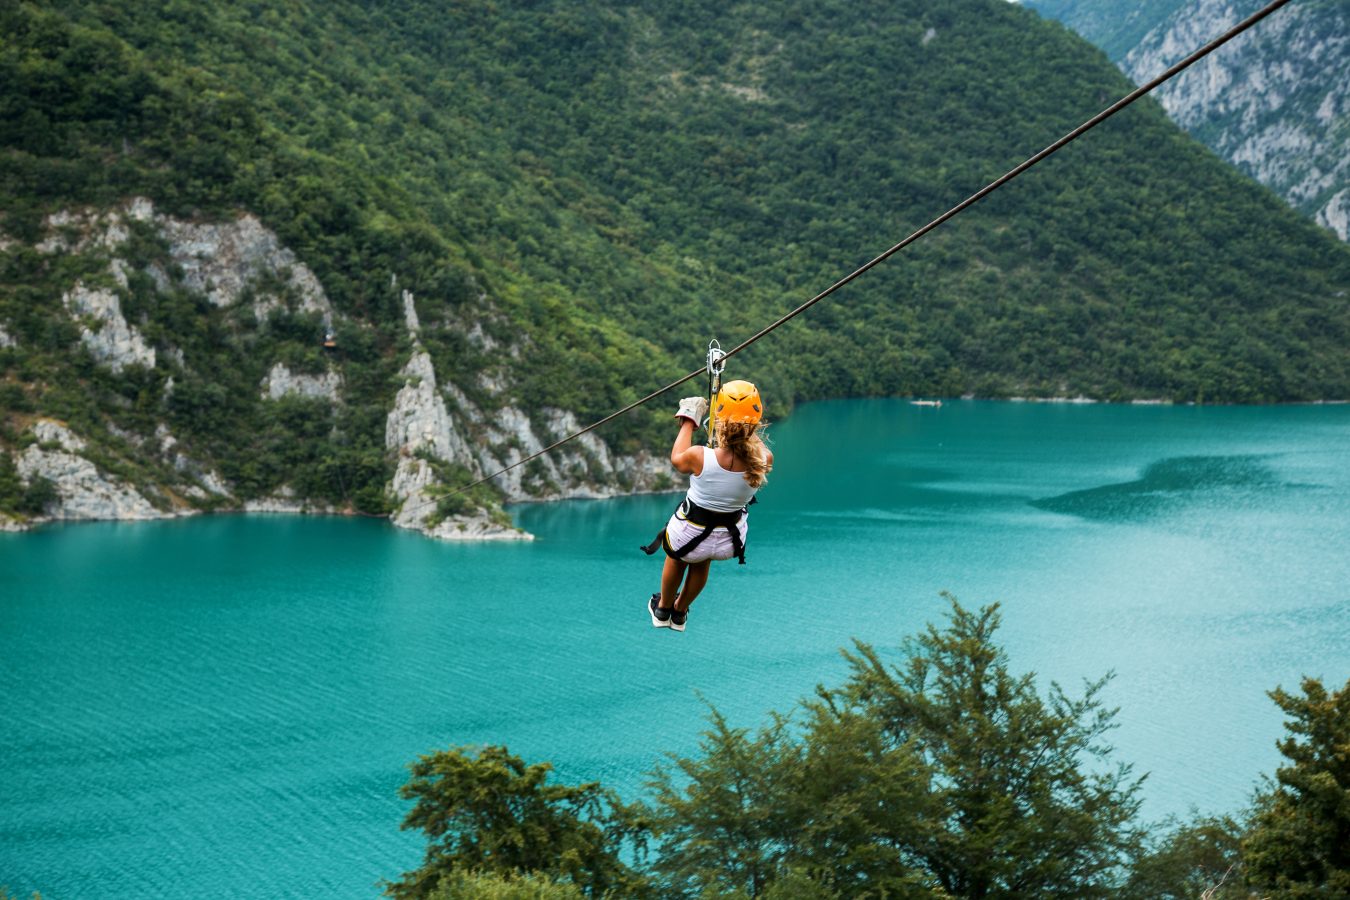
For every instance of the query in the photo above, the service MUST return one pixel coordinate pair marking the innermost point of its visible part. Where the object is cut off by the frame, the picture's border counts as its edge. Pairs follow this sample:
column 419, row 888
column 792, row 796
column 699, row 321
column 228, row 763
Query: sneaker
column 677, row 619
column 660, row 617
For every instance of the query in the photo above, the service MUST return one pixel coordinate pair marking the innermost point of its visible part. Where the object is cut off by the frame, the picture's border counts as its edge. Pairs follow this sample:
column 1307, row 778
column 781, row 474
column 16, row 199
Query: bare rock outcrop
column 83, row 492
column 104, row 331
column 421, row 426
column 420, row 419
column 284, row 501
column 208, row 482
column 222, row 259
column 282, row 382
column 1336, row 213
column 1274, row 100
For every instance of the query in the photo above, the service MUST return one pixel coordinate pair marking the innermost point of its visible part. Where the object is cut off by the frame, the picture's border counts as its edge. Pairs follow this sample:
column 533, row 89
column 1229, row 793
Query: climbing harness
column 709, row 520
column 979, row 195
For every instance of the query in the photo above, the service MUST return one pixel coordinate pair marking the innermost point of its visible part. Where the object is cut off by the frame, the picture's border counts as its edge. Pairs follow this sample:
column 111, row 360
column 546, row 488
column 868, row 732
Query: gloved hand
column 695, row 409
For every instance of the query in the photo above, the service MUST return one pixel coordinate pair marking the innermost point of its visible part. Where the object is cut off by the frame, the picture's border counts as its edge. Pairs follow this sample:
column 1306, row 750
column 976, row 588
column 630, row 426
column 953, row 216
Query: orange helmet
column 738, row 401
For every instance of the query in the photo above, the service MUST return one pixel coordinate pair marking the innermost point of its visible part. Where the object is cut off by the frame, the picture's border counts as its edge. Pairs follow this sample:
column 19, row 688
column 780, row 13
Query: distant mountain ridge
column 1275, row 102
column 1114, row 26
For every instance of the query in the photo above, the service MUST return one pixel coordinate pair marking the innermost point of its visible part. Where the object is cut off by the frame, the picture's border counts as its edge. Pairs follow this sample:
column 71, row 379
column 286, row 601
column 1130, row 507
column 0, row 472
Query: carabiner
column 716, row 362
column 716, row 359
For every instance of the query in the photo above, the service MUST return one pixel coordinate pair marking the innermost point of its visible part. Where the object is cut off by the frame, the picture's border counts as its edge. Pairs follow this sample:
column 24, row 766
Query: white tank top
column 718, row 489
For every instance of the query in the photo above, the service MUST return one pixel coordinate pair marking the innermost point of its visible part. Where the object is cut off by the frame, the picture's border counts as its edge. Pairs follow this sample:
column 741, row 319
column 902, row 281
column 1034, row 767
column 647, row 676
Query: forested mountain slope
column 513, row 217
column 1276, row 103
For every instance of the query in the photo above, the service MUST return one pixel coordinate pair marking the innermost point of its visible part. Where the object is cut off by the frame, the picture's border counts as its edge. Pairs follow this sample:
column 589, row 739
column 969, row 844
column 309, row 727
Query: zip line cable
column 949, row 214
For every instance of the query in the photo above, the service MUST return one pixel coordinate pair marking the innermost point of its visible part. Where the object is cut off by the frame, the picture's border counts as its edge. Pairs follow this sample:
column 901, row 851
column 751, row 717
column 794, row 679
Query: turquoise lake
column 226, row 705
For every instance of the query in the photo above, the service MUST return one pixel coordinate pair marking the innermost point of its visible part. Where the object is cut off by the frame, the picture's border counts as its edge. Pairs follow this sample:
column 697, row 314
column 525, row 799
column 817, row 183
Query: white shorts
column 717, row 545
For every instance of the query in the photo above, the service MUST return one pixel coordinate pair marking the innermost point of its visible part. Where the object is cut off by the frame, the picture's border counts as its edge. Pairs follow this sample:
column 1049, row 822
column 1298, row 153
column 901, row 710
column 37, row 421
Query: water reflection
column 1166, row 485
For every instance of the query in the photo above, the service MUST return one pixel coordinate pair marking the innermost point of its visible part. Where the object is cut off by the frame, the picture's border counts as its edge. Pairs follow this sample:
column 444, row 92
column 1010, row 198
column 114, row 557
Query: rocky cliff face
column 436, row 438
column 1114, row 26
column 83, row 490
column 103, row 329
column 281, row 382
column 1275, row 102
column 422, row 430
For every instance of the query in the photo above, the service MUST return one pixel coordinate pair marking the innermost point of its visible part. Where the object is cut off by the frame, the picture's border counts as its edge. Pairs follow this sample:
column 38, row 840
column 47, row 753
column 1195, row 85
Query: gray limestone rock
column 282, row 382
column 104, row 331
column 83, row 491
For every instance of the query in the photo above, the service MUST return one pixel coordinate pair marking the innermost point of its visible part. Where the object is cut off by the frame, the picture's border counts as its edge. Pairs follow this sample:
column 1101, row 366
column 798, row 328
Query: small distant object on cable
column 925, row 403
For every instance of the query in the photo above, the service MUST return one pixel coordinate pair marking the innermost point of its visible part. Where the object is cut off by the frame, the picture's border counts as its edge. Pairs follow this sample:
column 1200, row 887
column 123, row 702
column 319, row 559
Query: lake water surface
column 226, row 706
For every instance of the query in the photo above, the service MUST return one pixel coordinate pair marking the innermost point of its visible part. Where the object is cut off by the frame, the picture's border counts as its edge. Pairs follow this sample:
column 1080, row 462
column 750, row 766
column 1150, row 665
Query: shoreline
column 460, row 530
column 476, row 528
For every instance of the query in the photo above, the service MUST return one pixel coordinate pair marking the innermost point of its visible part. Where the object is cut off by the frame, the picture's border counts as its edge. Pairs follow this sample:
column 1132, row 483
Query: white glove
column 695, row 409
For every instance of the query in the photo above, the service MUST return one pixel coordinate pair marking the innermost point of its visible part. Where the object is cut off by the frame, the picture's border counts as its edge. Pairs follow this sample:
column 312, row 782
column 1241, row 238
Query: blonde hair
column 747, row 445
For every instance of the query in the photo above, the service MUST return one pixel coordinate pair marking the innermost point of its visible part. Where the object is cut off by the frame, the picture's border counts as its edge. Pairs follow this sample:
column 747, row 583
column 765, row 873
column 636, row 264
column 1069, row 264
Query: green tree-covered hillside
column 604, row 187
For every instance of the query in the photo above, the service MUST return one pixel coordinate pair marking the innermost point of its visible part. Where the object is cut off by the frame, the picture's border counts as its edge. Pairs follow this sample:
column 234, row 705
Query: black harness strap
column 710, row 521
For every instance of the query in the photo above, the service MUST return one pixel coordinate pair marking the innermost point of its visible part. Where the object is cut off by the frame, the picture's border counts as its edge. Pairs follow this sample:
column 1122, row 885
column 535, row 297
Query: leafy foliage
column 460, row 885
column 1009, row 802
column 1299, row 841
column 722, row 823
column 948, row 775
column 1295, row 840
column 493, row 814
column 1200, row 858
column 25, row 498
column 945, row 775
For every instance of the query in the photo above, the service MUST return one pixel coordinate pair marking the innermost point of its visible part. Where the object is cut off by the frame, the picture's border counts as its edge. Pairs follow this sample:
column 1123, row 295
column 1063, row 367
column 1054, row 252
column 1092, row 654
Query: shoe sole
column 674, row 626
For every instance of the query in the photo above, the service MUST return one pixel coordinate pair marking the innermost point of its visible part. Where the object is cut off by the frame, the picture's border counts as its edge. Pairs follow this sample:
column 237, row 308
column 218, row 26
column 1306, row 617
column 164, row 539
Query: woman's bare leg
column 693, row 584
column 671, row 574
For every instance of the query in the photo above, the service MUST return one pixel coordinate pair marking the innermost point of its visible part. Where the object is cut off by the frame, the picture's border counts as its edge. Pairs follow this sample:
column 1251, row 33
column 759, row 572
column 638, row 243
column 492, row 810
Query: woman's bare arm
column 684, row 456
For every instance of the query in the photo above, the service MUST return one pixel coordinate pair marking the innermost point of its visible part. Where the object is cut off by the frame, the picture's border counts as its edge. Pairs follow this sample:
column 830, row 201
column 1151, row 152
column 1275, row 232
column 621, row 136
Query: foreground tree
column 944, row 776
column 461, row 885
column 723, row 815
column 1299, row 841
column 1012, row 795
column 491, row 814
column 1200, row 858
column 947, row 775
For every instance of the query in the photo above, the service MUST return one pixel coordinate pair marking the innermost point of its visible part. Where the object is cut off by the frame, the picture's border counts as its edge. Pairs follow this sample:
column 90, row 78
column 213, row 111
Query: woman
column 710, row 523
